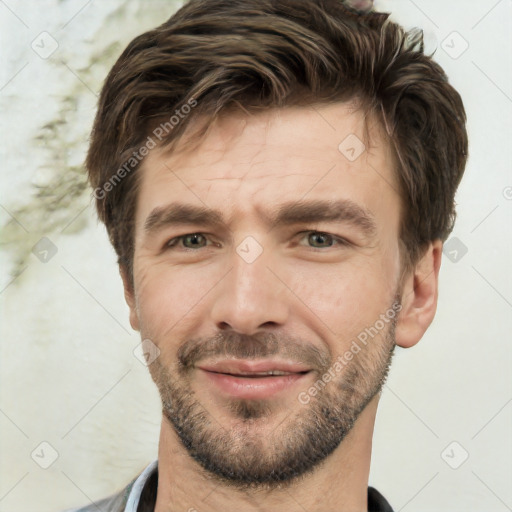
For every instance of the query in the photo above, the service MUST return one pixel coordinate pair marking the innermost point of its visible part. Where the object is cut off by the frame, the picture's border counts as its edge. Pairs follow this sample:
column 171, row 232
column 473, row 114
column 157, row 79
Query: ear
column 129, row 297
column 419, row 297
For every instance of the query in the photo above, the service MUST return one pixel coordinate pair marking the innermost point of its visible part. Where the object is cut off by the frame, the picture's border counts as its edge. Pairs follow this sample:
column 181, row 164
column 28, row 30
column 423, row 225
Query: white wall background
column 69, row 377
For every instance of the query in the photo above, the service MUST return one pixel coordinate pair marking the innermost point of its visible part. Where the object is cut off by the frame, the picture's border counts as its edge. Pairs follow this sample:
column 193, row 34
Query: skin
column 306, row 294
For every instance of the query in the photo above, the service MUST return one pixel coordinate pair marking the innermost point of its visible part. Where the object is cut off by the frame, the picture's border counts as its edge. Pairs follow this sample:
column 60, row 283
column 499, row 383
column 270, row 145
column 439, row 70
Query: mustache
column 232, row 345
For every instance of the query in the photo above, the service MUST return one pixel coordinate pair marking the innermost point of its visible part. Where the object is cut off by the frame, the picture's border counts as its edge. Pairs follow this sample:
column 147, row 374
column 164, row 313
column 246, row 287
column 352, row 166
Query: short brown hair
column 264, row 54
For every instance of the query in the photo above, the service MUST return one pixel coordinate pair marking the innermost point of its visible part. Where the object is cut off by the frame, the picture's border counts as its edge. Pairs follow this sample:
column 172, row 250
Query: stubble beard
column 247, row 454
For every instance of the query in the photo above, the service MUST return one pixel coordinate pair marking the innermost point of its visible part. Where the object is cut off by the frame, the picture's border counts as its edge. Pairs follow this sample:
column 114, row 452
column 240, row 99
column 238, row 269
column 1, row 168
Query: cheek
column 344, row 298
column 170, row 299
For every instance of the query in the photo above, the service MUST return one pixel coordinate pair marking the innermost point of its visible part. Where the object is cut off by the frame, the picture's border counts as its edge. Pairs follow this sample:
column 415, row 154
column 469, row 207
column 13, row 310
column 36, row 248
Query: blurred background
column 79, row 414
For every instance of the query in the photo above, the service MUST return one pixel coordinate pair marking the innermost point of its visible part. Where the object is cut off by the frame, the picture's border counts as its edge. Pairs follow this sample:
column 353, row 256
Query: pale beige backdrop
column 75, row 399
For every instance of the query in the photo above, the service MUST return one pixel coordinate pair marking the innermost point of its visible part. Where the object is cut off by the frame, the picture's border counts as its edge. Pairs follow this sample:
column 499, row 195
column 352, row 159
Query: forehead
column 251, row 162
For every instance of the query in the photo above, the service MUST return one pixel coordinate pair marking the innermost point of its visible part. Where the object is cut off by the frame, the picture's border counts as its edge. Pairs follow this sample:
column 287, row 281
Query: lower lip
column 253, row 387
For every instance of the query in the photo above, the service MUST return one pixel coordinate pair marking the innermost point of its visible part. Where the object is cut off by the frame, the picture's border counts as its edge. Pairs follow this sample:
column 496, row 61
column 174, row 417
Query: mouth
column 252, row 375
column 253, row 379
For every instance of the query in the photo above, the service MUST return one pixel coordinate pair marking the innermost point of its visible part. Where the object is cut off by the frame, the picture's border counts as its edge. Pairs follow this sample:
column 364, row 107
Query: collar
column 136, row 490
column 376, row 502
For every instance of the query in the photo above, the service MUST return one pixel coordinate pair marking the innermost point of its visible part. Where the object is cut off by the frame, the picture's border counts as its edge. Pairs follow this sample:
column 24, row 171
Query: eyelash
column 174, row 241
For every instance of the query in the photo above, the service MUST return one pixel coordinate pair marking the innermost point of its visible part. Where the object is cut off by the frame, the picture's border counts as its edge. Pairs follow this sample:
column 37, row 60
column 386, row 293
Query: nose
column 250, row 297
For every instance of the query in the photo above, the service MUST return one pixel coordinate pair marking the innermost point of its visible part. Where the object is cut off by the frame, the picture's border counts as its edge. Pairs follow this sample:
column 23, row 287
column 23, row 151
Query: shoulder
column 128, row 497
column 377, row 502
column 114, row 503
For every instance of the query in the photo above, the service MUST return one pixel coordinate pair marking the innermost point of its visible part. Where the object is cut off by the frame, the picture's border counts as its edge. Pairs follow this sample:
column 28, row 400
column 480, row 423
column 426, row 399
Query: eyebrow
column 289, row 213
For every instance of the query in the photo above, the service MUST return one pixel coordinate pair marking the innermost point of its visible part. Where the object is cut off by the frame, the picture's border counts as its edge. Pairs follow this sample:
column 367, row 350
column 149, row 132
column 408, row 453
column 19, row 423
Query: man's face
column 271, row 282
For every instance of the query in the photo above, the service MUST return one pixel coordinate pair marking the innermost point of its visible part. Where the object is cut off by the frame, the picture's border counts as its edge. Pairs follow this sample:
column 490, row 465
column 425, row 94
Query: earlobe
column 129, row 296
column 419, row 297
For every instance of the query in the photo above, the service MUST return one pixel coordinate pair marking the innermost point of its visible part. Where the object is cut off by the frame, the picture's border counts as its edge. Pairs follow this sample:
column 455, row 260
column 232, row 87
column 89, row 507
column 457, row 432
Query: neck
column 340, row 483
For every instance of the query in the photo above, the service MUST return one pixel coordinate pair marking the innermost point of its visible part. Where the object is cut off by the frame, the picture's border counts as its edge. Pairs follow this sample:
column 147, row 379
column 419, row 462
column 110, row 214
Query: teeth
column 258, row 374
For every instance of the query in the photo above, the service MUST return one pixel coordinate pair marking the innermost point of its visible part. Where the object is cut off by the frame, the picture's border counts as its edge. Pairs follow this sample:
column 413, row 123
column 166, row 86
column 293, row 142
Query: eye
column 190, row 241
column 324, row 240
column 194, row 241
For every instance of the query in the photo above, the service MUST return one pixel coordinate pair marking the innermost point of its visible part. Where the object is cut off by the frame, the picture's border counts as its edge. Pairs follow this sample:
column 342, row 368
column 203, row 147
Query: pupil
column 193, row 239
column 320, row 236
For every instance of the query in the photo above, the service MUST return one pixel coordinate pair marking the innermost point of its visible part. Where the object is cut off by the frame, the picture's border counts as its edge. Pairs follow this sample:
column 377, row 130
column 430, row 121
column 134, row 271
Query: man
column 277, row 178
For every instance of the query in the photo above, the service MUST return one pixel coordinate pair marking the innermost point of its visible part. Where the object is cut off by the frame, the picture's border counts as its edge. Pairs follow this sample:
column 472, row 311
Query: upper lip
column 246, row 367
